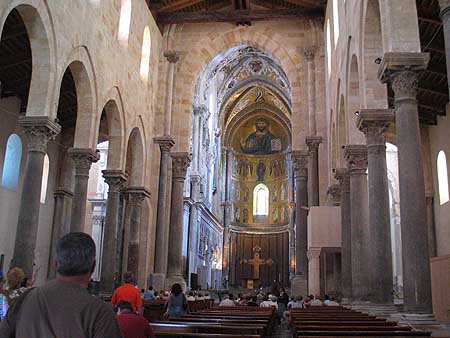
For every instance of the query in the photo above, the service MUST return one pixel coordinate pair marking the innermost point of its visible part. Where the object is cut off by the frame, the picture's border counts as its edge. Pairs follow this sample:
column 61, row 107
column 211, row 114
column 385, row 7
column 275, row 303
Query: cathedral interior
column 235, row 145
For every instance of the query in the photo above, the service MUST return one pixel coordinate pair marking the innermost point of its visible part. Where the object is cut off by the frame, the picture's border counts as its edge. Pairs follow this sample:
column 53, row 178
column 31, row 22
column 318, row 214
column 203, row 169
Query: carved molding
column 171, row 56
column 356, row 158
column 137, row 195
column 300, row 163
column 39, row 130
column 374, row 123
column 83, row 159
column 334, row 191
column 180, row 164
column 310, row 53
column 313, row 143
column 165, row 143
column 405, row 84
column 343, row 177
column 313, row 253
column 116, row 180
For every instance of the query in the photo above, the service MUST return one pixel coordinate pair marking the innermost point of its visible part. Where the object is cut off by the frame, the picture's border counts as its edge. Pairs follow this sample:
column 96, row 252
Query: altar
column 250, row 283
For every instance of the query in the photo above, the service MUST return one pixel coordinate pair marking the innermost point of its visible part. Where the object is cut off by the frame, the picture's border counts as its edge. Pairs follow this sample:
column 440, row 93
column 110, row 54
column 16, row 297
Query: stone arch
column 39, row 25
column 115, row 117
column 353, row 102
column 201, row 55
column 375, row 93
column 86, row 130
column 134, row 166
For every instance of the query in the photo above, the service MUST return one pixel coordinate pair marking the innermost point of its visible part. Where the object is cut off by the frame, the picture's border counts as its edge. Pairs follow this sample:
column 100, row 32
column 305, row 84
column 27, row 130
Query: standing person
column 14, row 280
column 63, row 307
column 131, row 324
column 129, row 293
column 177, row 304
column 282, row 300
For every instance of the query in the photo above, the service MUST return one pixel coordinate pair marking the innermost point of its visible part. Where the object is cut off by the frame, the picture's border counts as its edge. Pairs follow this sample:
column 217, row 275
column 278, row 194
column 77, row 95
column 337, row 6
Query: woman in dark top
column 177, row 302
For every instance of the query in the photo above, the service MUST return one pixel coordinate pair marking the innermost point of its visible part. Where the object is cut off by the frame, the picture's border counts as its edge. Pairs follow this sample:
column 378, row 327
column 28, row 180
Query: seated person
column 253, row 301
column 227, row 300
column 296, row 303
column 149, row 294
column 131, row 324
column 316, row 302
column 329, row 301
column 190, row 297
column 270, row 302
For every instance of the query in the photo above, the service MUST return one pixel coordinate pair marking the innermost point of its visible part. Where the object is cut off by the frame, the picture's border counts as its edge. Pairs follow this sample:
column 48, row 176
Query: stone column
column 82, row 158
column 356, row 158
column 172, row 58
column 374, row 123
column 343, row 176
column 309, row 54
column 431, row 225
column 314, row 271
column 196, row 140
column 445, row 16
column 227, row 217
column 136, row 197
column 334, row 195
column 116, row 181
column 300, row 281
column 313, row 143
column 39, row 130
column 193, row 225
column 180, row 163
column 161, row 240
column 401, row 70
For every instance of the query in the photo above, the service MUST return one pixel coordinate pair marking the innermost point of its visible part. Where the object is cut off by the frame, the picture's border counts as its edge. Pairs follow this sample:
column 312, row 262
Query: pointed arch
column 145, row 54
column 261, row 200
column 135, row 158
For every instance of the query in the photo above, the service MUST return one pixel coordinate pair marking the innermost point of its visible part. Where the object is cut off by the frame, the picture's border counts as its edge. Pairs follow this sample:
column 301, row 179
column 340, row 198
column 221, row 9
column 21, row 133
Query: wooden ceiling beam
column 178, row 5
column 237, row 16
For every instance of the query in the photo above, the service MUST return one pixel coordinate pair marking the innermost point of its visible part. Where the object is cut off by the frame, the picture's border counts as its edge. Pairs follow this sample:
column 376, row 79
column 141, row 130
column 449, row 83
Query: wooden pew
column 242, row 330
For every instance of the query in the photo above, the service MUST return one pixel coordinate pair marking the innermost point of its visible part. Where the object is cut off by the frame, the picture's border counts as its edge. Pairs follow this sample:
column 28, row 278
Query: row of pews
column 337, row 321
column 219, row 322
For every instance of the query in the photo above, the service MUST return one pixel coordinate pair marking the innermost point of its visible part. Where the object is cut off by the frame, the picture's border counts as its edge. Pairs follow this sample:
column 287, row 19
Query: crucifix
column 257, row 261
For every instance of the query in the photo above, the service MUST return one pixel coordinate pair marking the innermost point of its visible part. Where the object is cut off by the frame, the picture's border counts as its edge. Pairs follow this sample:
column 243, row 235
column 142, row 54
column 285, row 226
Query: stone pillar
column 314, row 271
column 61, row 224
column 172, row 58
column 196, row 140
column 161, row 240
column 136, row 197
column 334, row 195
column 300, row 281
column 180, row 163
column 116, row 181
column 401, row 70
column 313, row 143
column 39, row 130
column 82, row 158
column 193, row 225
column 356, row 158
column 445, row 16
column 374, row 123
column 227, row 218
column 431, row 225
column 309, row 54
column 343, row 176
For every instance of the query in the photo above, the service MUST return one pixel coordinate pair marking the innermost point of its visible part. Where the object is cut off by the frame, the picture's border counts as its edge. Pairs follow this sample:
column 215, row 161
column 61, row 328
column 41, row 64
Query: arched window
column 261, row 200
column 124, row 22
column 145, row 55
column 329, row 47
column 335, row 21
column 442, row 177
column 11, row 165
column 45, row 170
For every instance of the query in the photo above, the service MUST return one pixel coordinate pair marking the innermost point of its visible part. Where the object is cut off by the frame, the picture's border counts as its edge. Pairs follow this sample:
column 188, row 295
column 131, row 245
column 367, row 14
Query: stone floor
column 282, row 331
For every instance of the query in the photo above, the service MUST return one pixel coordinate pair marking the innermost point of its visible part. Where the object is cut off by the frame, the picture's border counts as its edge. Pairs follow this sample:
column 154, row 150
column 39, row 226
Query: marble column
column 343, row 177
column 193, row 225
column 431, row 225
column 227, row 217
column 313, row 143
column 334, row 194
column 374, row 123
column 356, row 158
column 172, row 58
column 313, row 255
column 445, row 16
column 300, row 164
column 136, row 198
column 161, row 241
column 180, row 164
column 83, row 159
column 402, row 71
column 39, row 130
column 116, row 180
column 309, row 54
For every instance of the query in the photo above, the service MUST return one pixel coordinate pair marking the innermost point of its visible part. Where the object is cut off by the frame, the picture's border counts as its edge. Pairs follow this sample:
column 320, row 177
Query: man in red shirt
column 128, row 293
column 131, row 324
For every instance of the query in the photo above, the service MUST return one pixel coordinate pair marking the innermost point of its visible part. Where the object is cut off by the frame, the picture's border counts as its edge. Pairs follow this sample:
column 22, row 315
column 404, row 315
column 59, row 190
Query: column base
column 157, row 280
column 416, row 319
column 299, row 286
column 172, row 279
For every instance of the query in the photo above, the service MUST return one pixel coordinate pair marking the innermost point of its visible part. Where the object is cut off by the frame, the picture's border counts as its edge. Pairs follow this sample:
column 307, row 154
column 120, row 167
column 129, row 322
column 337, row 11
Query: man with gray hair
column 63, row 307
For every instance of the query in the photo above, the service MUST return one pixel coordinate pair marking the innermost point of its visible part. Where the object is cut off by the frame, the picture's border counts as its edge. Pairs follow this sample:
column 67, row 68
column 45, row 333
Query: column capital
column 199, row 110
column 165, row 143
column 356, row 158
column 195, row 178
column 374, row 123
column 334, row 191
column 137, row 195
column 171, row 56
column 313, row 143
column 83, row 159
column 314, row 253
column 62, row 192
column 39, row 130
column 343, row 177
column 300, row 162
column 115, row 179
column 310, row 53
column 180, row 163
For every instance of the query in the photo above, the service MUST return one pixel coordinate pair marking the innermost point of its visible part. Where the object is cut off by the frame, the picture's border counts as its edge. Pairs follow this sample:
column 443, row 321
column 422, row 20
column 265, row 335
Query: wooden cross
column 256, row 261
